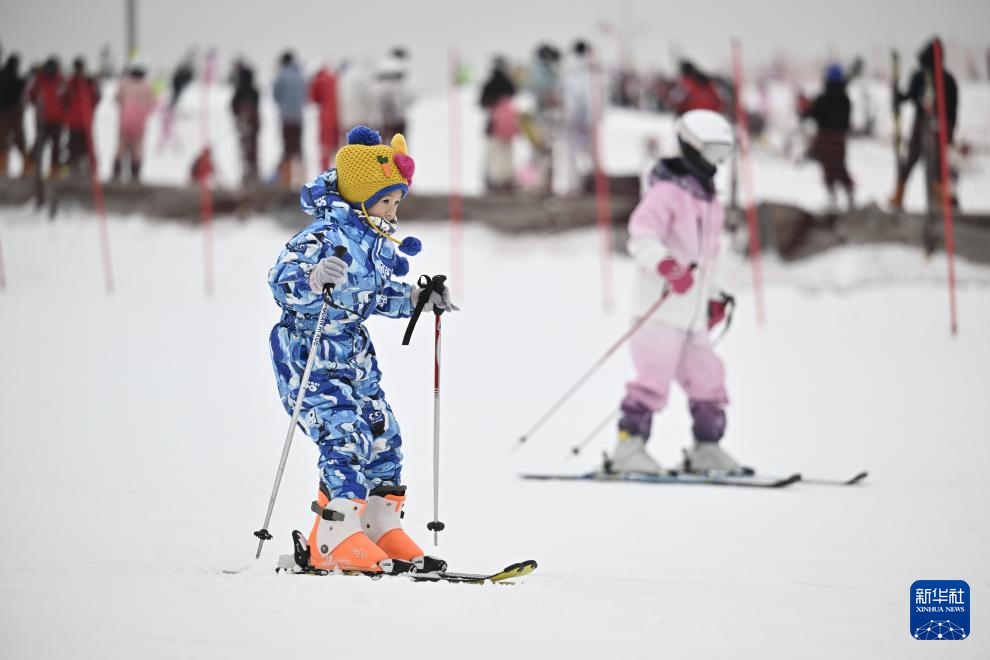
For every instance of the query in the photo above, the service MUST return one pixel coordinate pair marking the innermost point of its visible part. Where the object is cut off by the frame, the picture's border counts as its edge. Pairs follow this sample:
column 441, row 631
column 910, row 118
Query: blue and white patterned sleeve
column 289, row 277
column 394, row 301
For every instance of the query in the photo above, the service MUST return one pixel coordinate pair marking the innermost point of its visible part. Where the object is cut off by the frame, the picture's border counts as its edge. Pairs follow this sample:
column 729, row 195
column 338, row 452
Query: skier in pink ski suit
column 674, row 237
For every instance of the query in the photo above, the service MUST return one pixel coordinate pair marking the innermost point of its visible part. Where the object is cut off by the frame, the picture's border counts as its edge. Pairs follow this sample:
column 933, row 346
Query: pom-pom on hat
column 367, row 169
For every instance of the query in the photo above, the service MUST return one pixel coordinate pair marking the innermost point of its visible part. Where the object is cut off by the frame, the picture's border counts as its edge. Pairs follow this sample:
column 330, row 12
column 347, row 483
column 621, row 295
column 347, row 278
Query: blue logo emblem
column 940, row 610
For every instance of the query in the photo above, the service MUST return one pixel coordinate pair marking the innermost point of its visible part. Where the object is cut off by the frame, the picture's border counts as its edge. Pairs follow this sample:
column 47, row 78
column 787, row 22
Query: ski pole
column 584, row 377
column 435, row 526
column 576, row 449
column 730, row 305
column 263, row 534
column 730, row 302
column 428, row 285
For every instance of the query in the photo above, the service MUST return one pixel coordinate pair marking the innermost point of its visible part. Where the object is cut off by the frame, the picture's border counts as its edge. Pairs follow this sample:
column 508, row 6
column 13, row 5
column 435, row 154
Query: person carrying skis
column 921, row 92
column 830, row 111
column 344, row 411
column 674, row 238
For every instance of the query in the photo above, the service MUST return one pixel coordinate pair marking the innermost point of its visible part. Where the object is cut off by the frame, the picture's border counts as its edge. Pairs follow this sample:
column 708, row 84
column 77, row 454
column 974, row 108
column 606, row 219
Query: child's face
column 388, row 206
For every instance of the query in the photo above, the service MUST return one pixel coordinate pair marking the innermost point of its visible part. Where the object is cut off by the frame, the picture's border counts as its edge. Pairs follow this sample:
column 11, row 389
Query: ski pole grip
column 437, row 284
column 340, row 251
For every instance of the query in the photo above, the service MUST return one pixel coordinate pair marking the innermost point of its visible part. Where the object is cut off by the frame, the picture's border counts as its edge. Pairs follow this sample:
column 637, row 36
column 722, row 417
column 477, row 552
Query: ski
column 509, row 572
column 397, row 568
column 298, row 564
column 818, row 481
column 674, row 477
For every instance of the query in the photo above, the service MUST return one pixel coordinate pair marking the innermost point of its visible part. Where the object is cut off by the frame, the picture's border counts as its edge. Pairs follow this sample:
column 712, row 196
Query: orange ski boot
column 337, row 541
column 382, row 521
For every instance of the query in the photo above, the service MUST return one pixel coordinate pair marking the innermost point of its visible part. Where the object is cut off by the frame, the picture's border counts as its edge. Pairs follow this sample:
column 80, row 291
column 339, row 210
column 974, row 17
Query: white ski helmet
column 705, row 132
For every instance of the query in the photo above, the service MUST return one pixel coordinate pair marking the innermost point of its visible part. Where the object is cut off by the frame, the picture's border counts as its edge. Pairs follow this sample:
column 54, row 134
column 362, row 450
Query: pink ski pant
column 662, row 354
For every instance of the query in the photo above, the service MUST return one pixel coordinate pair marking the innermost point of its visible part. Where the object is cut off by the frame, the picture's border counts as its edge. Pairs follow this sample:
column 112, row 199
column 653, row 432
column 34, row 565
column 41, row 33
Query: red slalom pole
column 943, row 151
column 206, row 195
column 603, row 204
column 455, row 202
column 97, row 188
column 747, row 167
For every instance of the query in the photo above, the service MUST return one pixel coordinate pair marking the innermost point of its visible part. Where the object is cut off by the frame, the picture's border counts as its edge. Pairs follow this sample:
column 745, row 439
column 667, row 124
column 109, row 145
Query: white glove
column 439, row 300
column 329, row 270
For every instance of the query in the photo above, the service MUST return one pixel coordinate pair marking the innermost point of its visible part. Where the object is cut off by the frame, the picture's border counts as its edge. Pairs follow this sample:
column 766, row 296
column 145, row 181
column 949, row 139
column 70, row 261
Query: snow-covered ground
column 141, row 432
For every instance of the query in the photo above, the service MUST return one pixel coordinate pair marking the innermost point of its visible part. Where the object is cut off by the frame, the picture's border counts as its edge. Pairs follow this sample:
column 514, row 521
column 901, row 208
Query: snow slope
column 141, row 433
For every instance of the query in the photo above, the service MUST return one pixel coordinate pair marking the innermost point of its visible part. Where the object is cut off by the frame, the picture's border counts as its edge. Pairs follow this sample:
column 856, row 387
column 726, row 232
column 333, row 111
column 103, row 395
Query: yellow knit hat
column 367, row 170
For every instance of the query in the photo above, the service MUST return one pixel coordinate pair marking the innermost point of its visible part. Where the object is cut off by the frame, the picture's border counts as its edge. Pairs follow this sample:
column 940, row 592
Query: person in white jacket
column 675, row 234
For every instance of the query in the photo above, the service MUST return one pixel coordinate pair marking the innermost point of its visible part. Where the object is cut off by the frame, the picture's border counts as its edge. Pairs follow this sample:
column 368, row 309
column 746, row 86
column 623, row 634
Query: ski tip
column 511, row 571
column 787, row 481
column 558, row 477
column 823, row 481
column 859, row 477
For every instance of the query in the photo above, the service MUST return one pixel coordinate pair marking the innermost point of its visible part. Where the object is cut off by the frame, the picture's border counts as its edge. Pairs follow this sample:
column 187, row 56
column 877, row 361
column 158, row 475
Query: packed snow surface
column 142, row 430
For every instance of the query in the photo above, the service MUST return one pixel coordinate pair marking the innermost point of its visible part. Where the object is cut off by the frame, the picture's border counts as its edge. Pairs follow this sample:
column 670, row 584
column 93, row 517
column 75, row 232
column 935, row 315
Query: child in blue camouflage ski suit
column 344, row 410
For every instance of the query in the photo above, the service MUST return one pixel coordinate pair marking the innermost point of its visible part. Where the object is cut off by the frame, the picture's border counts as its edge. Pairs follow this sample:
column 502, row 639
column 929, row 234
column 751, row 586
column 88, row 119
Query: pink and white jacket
column 679, row 218
column 137, row 101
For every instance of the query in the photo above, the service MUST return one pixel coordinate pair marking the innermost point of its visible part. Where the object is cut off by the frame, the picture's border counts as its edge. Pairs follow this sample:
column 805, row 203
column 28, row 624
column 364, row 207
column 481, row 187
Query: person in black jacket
column 12, row 86
column 244, row 106
column 181, row 77
column 501, row 127
column 498, row 86
column 830, row 111
column 922, row 93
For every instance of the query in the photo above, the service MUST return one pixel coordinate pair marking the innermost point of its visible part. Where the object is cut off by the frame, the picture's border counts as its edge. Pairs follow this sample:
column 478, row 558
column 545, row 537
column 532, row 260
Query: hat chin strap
column 371, row 220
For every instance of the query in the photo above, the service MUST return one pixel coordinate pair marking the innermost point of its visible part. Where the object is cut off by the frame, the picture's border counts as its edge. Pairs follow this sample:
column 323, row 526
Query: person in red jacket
column 695, row 91
column 79, row 98
column 45, row 93
column 323, row 92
